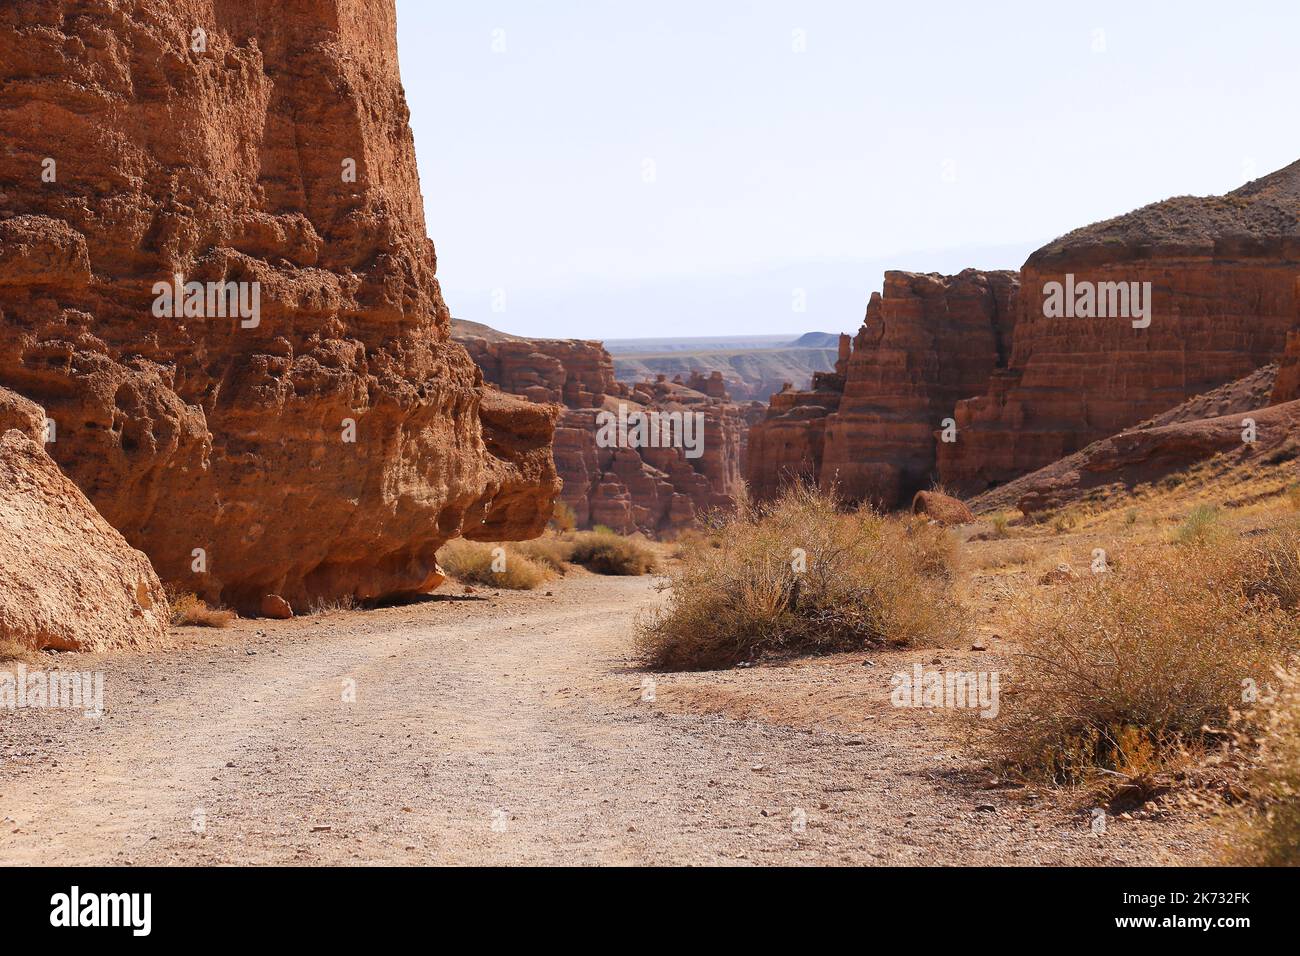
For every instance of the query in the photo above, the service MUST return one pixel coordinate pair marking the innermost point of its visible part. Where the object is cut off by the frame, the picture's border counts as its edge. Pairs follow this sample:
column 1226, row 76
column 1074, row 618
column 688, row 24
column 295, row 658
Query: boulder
column 276, row 608
column 944, row 509
column 68, row 580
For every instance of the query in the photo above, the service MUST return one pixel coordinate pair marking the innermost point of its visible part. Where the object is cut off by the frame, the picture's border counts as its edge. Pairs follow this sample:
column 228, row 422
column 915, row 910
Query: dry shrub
column 562, row 518
column 548, row 551
column 1270, row 829
column 1202, row 526
column 189, row 610
column 862, row 580
column 11, row 650
column 1123, row 671
column 339, row 605
column 605, row 552
column 472, row 563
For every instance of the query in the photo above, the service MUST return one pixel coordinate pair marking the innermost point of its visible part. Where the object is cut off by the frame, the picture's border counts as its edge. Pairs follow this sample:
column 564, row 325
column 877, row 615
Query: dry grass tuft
column 1270, row 828
column 11, row 650
column 549, row 551
column 1202, row 526
column 189, row 610
column 497, row 566
column 605, row 552
column 798, row 575
column 1122, row 672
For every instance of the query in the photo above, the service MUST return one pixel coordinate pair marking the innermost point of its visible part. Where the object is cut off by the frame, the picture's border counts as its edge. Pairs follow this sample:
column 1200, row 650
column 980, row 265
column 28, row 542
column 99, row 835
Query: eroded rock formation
column 657, row 491
column 1216, row 423
column 323, row 447
column 869, row 429
column 1223, row 274
column 68, row 580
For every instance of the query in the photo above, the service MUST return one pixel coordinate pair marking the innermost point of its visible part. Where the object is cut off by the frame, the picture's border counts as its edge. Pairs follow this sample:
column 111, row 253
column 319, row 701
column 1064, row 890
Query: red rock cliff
column 869, row 428
column 215, row 139
column 654, row 490
column 1224, row 293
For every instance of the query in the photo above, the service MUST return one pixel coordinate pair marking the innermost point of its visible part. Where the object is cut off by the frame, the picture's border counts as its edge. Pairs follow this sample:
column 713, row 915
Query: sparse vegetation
column 1270, row 828
column 1202, row 526
column 1292, row 493
column 562, row 518
column 189, row 610
column 1121, row 672
column 1000, row 522
column 13, row 651
column 799, row 575
column 605, row 552
column 524, row 565
column 549, row 551
column 497, row 566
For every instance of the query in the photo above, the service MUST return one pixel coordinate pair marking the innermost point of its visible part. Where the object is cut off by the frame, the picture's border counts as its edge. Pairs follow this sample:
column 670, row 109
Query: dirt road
column 512, row 729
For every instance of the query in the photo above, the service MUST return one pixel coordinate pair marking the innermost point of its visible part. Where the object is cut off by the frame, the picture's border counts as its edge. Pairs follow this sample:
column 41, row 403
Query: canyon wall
column 321, row 445
column 869, row 428
column 657, row 491
column 1223, row 274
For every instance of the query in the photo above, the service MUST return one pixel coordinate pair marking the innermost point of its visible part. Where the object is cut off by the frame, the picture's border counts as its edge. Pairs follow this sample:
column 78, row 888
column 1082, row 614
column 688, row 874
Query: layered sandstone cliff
column 323, row 447
column 657, row 491
column 871, row 429
column 1223, row 274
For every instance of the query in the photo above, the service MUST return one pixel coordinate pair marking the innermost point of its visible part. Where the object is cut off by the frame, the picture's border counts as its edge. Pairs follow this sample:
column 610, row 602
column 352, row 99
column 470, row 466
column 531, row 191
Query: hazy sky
column 611, row 169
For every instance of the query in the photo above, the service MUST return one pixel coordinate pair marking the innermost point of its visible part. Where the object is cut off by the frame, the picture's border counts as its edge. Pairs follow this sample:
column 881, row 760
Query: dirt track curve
column 510, row 728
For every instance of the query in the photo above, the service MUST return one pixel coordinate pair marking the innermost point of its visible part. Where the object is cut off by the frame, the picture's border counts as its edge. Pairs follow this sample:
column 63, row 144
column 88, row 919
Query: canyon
column 324, row 452
column 656, row 491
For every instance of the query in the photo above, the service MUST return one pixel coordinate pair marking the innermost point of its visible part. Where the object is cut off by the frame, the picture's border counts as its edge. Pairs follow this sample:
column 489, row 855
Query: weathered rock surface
column 927, row 342
column 1223, row 273
column 870, row 428
column 68, row 580
column 944, row 509
column 1166, row 444
column 222, row 446
column 658, row 491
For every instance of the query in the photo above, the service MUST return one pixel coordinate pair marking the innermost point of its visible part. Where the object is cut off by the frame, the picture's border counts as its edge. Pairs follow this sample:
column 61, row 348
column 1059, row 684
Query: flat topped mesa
column 1222, row 274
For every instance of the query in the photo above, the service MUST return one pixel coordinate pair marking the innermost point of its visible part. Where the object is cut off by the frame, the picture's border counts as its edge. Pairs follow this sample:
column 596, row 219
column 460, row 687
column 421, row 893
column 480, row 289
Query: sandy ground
column 516, row 729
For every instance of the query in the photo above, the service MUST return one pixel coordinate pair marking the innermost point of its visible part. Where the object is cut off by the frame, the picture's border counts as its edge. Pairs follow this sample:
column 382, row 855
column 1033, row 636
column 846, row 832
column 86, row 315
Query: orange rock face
column 320, row 445
column 1223, row 298
column 870, row 429
column 658, row 491
column 944, row 509
column 68, row 581
column 1217, row 422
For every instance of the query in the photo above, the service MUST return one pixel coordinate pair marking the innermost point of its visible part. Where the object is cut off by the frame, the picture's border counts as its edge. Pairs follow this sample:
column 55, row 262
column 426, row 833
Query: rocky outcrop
column 928, row 341
column 1223, row 281
column 68, row 580
column 1218, row 422
column 658, row 491
column 568, row 372
column 323, row 441
column 871, row 428
column 1144, row 455
column 943, row 509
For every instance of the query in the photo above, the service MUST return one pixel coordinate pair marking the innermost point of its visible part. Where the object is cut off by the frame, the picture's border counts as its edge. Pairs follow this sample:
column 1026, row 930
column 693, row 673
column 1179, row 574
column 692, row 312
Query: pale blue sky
column 917, row 135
